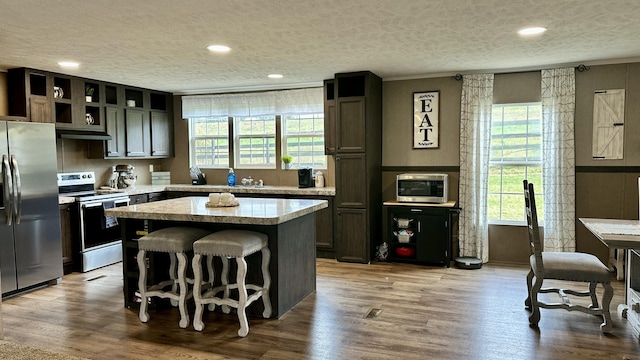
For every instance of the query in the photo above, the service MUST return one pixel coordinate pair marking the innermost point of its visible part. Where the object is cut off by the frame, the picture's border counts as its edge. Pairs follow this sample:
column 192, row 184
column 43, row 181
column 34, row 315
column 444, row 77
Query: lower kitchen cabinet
column 351, row 229
column 324, row 230
column 137, row 199
column 156, row 196
column 420, row 233
column 67, row 237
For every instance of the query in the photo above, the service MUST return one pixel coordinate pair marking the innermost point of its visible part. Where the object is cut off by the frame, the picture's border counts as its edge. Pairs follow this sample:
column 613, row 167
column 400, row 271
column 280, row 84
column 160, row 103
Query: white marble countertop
column 239, row 189
column 206, row 189
column 254, row 211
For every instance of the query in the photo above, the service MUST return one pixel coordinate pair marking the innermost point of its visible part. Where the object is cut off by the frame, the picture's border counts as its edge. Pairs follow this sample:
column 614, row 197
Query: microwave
column 425, row 188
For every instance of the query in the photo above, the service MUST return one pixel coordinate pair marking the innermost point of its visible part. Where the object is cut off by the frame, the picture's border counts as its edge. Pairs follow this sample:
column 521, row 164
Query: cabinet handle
column 416, row 210
column 419, row 226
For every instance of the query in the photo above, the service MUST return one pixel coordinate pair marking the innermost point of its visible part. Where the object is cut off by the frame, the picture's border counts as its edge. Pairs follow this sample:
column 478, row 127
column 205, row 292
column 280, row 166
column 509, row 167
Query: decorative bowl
column 405, row 251
column 404, row 236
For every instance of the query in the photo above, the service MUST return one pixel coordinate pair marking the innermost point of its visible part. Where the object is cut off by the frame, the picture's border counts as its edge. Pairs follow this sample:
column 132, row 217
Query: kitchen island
column 289, row 223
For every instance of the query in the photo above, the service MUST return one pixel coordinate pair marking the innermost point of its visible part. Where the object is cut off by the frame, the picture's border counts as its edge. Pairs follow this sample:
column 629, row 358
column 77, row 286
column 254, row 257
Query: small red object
column 405, row 251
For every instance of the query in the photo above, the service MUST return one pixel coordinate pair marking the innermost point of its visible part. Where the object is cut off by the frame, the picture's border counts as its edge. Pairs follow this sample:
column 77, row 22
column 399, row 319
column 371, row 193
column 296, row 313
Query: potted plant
column 88, row 93
column 287, row 159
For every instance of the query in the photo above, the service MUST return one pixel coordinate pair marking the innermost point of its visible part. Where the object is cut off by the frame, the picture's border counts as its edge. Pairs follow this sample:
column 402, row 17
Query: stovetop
column 80, row 185
column 95, row 195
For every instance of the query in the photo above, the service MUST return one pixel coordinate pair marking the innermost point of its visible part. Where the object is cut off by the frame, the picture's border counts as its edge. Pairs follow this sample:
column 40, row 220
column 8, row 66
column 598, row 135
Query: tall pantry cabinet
column 353, row 135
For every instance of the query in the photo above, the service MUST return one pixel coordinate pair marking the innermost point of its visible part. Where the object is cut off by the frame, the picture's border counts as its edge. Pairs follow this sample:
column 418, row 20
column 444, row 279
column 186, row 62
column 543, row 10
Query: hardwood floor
column 427, row 313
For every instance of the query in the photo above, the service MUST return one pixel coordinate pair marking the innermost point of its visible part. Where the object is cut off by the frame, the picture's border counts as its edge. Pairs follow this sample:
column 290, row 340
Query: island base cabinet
column 157, row 264
column 351, row 235
column 292, row 266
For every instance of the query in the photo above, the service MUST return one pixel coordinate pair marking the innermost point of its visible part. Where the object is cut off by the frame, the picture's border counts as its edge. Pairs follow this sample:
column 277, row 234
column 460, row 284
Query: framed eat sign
column 426, row 119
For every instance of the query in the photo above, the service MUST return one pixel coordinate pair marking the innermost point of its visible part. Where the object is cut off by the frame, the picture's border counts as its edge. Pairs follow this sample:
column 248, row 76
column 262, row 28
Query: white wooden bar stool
column 231, row 244
column 176, row 241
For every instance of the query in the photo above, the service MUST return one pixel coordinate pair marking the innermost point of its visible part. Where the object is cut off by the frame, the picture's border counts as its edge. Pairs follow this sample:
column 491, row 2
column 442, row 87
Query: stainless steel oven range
column 99, row 239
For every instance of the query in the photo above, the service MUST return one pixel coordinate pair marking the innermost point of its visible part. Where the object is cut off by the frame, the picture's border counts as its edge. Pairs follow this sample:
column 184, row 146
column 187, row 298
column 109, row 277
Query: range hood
column 82, row 134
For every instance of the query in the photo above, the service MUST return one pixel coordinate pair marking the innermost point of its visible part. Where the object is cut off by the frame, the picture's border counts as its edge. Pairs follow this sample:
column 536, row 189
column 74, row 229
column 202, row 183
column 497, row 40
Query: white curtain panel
column 475, row 141
column 558, row 152
column 297, row 101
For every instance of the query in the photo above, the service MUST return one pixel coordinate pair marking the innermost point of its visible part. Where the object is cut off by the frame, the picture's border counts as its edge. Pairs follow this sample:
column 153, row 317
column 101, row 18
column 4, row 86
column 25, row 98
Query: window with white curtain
column 516, row 154
column 254, row 118
column 303, row 139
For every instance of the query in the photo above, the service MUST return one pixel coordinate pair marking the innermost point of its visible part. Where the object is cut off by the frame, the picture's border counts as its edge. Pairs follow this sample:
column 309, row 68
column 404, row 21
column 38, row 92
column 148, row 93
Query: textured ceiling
column 161, row 44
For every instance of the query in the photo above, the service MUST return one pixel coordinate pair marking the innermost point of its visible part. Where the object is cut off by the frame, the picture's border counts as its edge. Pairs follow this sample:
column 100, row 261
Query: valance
column 298, row 101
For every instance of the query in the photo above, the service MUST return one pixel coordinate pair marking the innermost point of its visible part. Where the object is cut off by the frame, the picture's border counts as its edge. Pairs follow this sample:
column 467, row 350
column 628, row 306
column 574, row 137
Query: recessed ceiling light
column 68, row 64
column 532, row 31
column 219, row 48
column 275, row 76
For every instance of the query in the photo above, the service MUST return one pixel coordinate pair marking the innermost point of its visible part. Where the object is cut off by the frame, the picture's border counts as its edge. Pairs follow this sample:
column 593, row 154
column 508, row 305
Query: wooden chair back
column 535, row 245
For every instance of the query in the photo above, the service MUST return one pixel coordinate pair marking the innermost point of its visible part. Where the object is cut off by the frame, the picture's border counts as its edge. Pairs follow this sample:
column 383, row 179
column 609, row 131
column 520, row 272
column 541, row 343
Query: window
column 255, row 141
column 291, row 120
column 516, row 154
column 209, row 142
column 303, row 139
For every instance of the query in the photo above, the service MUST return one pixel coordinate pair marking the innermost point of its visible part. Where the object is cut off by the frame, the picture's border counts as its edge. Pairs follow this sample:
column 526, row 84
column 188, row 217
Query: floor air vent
column 373, row 313
column 96, row 278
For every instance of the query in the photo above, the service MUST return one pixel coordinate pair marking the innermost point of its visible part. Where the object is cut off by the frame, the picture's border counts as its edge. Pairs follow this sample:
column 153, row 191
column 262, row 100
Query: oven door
column 96, row 230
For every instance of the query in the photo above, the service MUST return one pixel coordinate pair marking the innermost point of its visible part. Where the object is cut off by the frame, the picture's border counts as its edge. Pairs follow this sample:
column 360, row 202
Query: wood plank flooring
column 427, row 313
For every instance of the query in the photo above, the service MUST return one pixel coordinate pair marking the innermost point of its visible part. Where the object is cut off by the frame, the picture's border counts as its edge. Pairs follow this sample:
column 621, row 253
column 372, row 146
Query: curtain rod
column 579, row 68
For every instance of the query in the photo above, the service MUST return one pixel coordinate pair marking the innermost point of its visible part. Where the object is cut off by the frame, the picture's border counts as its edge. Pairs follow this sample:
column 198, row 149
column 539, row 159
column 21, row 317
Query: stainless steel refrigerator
column 30, row 245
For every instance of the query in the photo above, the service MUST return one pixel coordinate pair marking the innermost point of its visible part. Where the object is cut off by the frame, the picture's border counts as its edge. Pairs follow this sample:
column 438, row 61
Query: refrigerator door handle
column 17, row 188
column 7, row 192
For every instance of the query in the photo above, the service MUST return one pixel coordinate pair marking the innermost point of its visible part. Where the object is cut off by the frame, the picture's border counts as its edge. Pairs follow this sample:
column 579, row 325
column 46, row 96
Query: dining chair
column 568, row 266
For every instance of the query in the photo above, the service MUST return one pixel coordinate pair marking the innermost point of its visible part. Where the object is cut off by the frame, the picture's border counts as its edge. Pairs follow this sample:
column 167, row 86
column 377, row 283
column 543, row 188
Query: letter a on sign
column 426, row 116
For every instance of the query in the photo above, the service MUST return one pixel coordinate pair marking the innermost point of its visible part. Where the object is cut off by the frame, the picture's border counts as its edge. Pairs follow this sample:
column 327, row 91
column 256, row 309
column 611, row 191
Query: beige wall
column 397, row 123
column 603, row 188
column 622, row 76
column 4, row 106
column 72, row 156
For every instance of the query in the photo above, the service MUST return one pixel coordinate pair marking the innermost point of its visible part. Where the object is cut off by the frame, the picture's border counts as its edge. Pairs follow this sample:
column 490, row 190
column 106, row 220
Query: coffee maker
column 126, row 177
column 305, row 178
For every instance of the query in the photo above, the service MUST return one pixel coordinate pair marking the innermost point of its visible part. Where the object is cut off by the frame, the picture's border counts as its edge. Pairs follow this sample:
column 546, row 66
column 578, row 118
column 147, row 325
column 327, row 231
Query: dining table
column 623, row 234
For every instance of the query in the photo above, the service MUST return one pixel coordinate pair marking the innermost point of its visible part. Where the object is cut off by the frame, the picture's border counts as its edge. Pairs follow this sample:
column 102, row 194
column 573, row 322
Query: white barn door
column 608, row 124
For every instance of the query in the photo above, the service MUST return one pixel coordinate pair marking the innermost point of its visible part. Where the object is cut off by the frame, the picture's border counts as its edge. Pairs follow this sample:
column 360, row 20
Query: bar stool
column 226, row 244
column 176, row 241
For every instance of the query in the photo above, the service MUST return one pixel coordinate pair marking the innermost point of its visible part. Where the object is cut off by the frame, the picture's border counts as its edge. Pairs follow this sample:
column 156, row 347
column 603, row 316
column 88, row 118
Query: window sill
column 507, row 223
